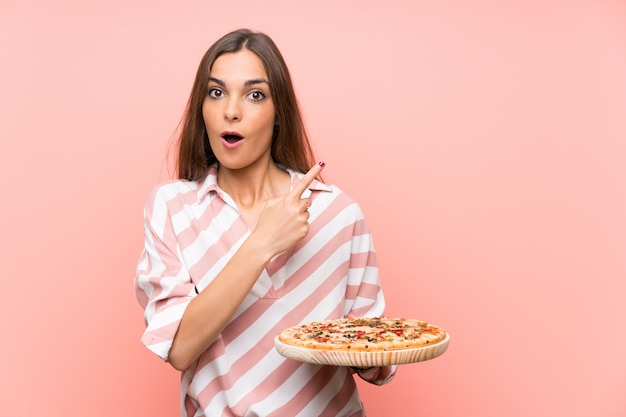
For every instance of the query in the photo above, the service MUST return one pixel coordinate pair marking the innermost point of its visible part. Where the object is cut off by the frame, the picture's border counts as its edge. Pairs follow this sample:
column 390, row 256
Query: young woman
column 243, row 245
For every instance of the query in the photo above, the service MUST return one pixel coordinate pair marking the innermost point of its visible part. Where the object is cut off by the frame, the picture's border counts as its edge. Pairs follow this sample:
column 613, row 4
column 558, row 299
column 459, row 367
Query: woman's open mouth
column 231, row 137
column 231, row 140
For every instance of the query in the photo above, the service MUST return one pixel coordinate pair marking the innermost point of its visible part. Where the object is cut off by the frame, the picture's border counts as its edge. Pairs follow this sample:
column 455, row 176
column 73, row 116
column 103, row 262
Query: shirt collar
column 209, row 184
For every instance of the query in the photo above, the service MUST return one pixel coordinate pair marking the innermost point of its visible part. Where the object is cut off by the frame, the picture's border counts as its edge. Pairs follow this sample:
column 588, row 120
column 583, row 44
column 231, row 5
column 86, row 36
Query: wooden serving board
column 362, row 359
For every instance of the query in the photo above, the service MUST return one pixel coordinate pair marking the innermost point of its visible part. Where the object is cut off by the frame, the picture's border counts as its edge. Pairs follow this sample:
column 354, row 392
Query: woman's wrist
column 258, row 249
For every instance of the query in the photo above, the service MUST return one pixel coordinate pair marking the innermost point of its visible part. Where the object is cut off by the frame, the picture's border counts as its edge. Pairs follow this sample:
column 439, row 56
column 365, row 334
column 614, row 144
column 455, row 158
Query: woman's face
column 238, row 110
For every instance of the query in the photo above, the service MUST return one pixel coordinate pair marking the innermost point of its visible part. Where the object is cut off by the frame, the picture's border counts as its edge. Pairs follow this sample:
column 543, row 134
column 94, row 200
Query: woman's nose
column 232, row 112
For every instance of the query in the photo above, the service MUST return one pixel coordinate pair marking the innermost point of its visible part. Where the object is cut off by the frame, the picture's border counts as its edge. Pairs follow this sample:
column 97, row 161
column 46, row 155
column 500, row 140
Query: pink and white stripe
column 192, row 229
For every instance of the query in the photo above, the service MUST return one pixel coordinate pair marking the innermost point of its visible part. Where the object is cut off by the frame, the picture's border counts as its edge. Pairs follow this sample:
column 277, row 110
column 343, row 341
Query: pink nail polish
column 321, row 163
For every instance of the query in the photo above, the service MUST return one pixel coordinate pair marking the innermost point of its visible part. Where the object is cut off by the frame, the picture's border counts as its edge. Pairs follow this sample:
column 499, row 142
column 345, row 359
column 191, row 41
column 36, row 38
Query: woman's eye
column 215, row 93
column 256, row 95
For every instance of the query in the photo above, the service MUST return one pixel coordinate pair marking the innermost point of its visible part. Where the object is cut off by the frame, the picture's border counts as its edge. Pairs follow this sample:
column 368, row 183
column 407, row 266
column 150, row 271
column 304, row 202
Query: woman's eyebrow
column 247, row 83
column 256, row 81
column 217, row 81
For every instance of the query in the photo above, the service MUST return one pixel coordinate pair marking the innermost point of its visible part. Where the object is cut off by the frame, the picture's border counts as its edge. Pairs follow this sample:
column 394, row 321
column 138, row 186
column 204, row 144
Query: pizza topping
column 376, row 333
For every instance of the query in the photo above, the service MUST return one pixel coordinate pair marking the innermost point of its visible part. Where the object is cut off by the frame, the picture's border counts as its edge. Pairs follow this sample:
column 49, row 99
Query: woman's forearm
column 211, row 310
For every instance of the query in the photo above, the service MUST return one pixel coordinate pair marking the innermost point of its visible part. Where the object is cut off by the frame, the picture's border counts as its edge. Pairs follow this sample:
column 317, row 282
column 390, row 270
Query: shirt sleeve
column 163, row 286
column 364, row 294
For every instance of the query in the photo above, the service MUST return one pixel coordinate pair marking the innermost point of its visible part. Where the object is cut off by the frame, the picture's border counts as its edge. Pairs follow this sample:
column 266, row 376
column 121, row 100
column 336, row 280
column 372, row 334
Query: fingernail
column 321, row 163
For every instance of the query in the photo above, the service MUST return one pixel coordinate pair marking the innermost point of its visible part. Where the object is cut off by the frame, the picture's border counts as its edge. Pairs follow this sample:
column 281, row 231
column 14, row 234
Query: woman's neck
column 254, row 184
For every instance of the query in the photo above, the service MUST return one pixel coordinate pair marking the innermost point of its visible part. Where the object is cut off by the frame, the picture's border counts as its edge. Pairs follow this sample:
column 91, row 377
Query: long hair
column 290, row 142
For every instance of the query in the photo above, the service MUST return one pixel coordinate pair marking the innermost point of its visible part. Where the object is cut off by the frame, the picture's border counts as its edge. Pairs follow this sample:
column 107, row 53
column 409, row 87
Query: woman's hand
column 284, row 221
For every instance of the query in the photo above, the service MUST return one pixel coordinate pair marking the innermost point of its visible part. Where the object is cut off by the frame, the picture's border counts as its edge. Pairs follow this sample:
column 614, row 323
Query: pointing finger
column 308, row 179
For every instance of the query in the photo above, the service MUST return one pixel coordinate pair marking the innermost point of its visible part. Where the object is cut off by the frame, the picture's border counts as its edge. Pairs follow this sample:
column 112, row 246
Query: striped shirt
column 192, row 229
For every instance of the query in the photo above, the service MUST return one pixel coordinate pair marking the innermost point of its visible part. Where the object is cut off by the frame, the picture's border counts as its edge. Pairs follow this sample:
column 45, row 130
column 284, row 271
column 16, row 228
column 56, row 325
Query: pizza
column 363, row 334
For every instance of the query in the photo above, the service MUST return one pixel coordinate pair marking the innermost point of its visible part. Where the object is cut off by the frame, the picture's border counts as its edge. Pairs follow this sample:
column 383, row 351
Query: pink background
column 485, row 141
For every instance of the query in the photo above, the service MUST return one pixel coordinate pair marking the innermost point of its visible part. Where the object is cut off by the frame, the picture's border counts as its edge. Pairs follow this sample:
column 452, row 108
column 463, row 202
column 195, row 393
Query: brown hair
column 290, row 143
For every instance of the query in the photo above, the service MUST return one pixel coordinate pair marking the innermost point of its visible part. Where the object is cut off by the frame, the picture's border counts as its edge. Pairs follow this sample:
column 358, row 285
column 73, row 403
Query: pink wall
column 486, row 142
